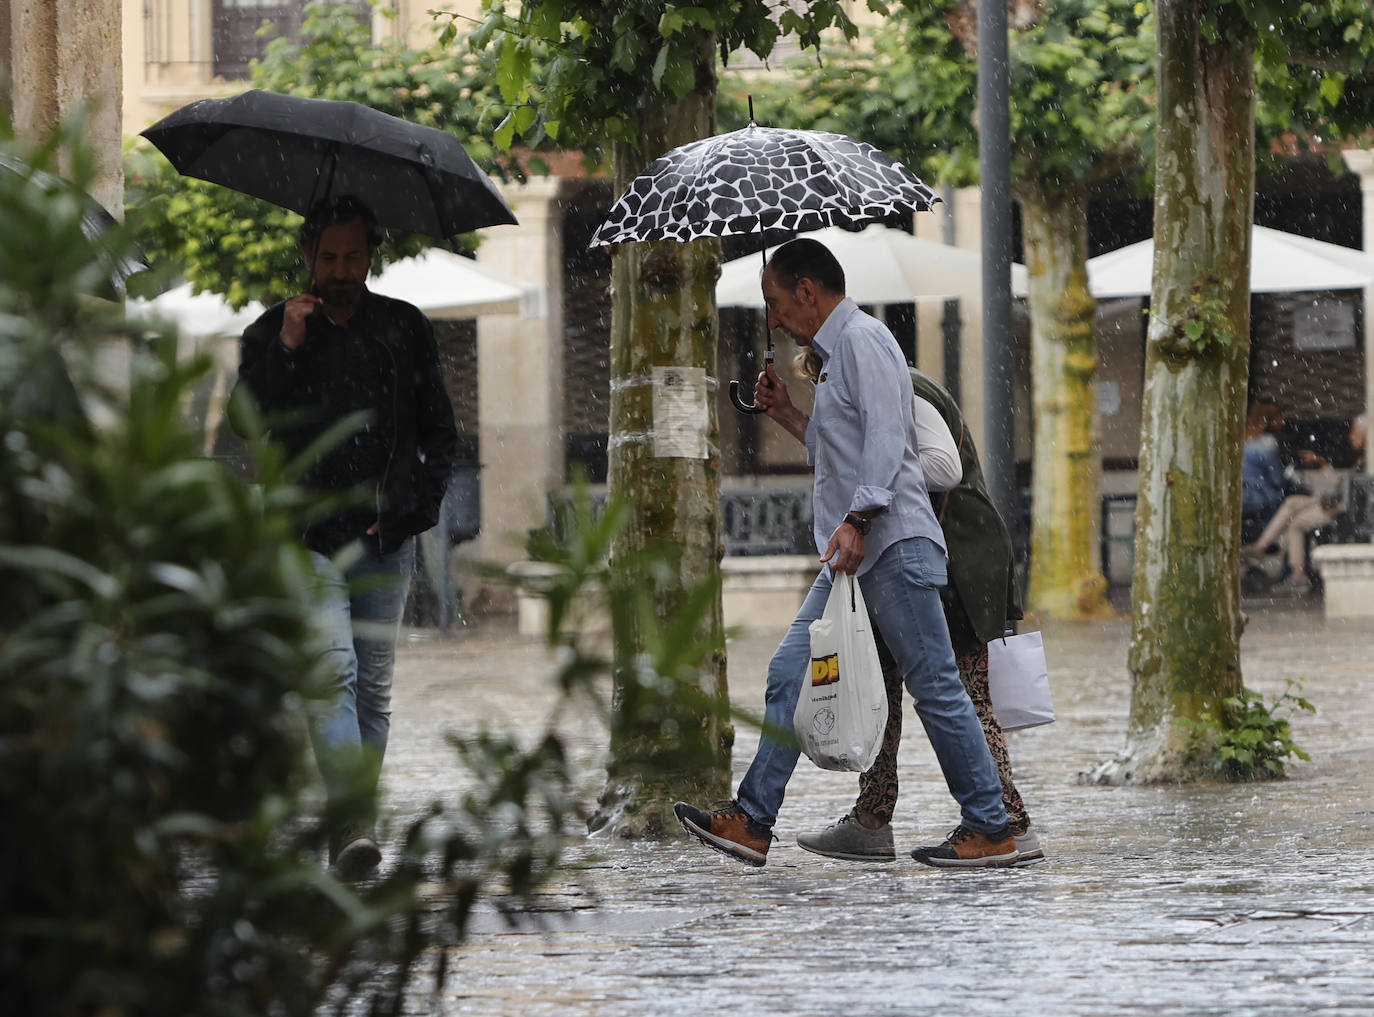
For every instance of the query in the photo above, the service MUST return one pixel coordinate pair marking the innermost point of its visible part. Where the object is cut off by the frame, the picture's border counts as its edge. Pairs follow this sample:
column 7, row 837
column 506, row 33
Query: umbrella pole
column 735, row 397
column 314, row 196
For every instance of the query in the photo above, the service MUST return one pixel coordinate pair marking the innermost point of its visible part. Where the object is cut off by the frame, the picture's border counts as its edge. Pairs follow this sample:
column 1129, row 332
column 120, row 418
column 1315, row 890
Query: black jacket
column 383, row 364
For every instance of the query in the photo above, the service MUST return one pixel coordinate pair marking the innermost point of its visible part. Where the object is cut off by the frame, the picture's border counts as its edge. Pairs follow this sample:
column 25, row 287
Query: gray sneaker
column 850, row 840
column 354, row 854
column 1028, row 844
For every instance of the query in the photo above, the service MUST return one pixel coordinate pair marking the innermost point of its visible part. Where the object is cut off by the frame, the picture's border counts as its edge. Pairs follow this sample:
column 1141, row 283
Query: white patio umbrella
column 447, row 285
column 440, row 283
column 881, row 266
column 201, row 315
column 1279, row 263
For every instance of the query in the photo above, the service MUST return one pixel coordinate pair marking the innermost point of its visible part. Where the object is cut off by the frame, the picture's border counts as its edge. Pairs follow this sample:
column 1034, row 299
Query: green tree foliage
column 1313, row 69
column 245, row 248
column 1081, row 87
column 158, row 649
column 585, row 72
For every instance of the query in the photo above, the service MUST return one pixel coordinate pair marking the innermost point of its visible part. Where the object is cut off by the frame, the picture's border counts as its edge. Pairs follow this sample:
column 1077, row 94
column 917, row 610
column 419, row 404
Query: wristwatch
column 858, row 522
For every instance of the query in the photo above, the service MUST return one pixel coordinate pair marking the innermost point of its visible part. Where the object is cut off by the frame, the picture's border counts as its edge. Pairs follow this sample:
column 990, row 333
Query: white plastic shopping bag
column 842, row 709
column 1019, row 681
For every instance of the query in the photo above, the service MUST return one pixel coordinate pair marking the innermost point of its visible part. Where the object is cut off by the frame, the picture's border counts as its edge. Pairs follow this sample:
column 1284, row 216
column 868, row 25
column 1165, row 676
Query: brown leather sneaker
column 968, row 849
column 729, row 831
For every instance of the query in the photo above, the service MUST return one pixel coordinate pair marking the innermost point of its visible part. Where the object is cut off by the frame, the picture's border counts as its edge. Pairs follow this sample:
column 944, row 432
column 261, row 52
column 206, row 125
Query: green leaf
column 524, row 118
column 698, row 16
column 680, row 76
column 512, row 70
column 1332, row 88
column 670, row 23
column 660, row 65
column 504, row 135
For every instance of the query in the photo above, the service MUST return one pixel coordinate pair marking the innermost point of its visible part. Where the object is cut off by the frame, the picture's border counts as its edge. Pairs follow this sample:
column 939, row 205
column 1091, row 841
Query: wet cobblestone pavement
column 1213, row 899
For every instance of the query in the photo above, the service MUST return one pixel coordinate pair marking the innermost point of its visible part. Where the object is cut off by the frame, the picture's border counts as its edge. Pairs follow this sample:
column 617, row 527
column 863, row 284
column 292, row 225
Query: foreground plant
column 163, row 839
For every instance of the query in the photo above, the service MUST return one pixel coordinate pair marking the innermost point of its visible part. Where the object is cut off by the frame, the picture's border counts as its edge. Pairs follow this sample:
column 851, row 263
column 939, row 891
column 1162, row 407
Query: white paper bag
column 842, row 709
column 1019, row 681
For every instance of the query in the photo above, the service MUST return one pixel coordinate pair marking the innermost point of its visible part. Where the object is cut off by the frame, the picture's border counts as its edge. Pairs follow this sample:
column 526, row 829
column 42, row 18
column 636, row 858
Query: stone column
column 6, row 54
column 1361, row 161
column 61, row 54
column 520, row 378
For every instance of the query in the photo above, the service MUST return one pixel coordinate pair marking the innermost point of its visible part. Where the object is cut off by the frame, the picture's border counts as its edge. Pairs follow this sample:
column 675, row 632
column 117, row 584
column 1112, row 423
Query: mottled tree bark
column 664, row 314
column 1066, row 578
column 1187, row 621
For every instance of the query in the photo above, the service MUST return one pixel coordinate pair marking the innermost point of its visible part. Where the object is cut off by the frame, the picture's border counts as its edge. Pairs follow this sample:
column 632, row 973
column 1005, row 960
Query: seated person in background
column 1299, row 515
column 1265, row 480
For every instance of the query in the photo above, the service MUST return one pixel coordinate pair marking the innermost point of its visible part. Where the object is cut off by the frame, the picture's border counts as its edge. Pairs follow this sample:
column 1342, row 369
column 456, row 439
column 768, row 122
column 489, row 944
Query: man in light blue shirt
column 873, row 520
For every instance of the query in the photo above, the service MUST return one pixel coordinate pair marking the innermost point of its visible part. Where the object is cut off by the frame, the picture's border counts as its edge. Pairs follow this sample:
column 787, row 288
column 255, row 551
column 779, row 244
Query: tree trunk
column 1066, row 578
column 664, row 315
column 1187, row 621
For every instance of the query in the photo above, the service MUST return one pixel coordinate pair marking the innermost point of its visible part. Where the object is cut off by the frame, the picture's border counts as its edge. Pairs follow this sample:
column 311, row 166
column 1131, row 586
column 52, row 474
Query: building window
column 237, row 39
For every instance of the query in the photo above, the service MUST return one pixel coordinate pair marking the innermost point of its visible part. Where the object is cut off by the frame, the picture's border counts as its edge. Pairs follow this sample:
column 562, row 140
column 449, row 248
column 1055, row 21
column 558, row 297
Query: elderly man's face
column 341, row 262
column 794, row 311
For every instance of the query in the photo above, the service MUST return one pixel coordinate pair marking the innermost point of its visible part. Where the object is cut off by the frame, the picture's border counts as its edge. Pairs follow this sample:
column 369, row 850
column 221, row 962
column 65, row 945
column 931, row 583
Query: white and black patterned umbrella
column 762, row 178
column 757, row 180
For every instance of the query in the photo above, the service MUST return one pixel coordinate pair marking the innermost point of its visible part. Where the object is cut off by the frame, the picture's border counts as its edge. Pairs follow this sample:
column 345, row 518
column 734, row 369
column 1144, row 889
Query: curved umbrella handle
column 738, row 399
column 739, row 402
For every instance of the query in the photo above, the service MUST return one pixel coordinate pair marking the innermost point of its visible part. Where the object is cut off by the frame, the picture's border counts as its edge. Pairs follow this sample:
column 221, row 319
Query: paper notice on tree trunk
column 680, row 412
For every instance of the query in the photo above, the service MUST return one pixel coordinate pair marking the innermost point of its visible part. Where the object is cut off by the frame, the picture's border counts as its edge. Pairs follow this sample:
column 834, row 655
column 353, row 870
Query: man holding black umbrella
column 342, row 352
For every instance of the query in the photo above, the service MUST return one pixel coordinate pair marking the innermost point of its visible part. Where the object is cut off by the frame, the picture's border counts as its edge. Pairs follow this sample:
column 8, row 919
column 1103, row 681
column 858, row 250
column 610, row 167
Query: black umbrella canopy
column 762, row 178
column 95, row 220
column 293, row 151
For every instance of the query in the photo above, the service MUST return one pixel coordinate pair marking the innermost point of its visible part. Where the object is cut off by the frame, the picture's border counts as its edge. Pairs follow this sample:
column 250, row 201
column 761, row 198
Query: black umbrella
column 762, row 179
column 95, row 220
column 293, row 151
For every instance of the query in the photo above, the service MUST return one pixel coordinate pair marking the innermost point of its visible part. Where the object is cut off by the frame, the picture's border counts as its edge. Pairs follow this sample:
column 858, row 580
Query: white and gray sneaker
column 1028, row 844
column 850, row 840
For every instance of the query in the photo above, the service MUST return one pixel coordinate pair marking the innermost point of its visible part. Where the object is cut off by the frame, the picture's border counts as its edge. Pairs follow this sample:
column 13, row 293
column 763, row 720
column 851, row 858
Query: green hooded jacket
column 982, row 566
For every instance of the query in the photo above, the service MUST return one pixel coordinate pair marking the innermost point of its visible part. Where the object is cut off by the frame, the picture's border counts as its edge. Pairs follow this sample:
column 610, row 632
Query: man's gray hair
column 805, row 258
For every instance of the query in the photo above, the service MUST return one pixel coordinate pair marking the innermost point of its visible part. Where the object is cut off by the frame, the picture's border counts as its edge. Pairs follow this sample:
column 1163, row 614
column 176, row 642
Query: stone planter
column 1347, row 572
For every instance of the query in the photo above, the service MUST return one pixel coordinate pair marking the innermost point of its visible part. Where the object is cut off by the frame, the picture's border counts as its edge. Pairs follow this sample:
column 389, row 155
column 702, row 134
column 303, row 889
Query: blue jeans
column 902, row 592
column 360, row 615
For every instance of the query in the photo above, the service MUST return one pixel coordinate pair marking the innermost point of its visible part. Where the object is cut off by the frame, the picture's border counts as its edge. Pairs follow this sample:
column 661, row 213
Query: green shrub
column 155, row 647
column 1250, row 741
column 162, row 844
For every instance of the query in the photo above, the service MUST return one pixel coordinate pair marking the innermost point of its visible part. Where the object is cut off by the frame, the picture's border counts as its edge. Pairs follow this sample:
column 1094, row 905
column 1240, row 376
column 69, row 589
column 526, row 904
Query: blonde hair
column 807, row 363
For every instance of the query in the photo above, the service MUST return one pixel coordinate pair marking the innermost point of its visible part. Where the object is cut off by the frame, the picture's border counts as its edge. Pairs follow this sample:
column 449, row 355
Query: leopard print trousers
column 878, row 784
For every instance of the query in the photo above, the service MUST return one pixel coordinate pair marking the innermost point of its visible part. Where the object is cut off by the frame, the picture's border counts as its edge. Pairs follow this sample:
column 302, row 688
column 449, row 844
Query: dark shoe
column 850, row 840
column 968, row 849
column 1028, row 849
column 729, row 831
column 354, row 853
